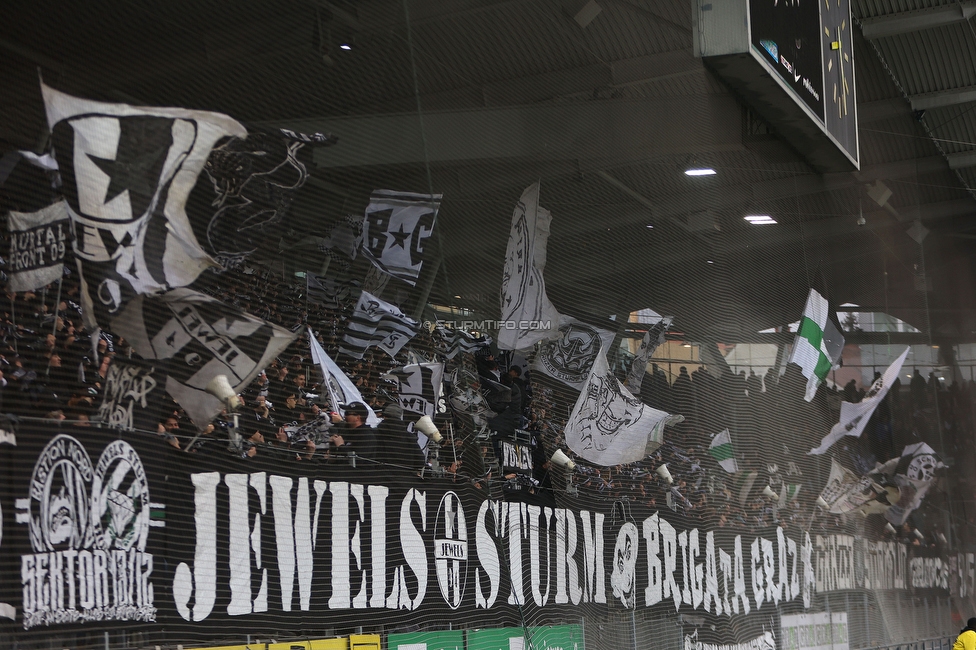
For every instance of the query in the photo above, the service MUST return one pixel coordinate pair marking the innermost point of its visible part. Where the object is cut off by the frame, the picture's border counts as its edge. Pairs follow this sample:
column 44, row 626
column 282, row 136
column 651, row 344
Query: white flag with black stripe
column 127, row 173
column 396, row 229
column 420, row 386
column 450, row 342
column 376, row 322
column 38, row 241
column 201, row 337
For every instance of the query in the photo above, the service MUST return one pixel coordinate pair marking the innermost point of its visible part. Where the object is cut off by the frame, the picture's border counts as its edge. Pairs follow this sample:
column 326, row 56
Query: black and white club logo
column 570, row 357
column 451, row 549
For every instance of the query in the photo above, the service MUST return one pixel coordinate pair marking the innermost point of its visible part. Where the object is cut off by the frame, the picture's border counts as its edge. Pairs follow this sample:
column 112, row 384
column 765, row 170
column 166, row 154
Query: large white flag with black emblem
column 527, row 315
column 396, row 229
column 570, row 355
column 376, row 322
column 854, row 416
column 201, row 337
column 38, row 242
column 420, row 386
column 127, row 173
column 609, row 426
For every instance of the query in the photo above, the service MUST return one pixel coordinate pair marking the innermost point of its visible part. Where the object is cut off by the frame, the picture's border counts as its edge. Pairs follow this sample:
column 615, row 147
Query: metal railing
column 940, row 643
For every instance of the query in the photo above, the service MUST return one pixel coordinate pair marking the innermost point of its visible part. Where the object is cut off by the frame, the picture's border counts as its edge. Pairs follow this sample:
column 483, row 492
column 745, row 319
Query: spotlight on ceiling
column 759, row 219
column 700, row 171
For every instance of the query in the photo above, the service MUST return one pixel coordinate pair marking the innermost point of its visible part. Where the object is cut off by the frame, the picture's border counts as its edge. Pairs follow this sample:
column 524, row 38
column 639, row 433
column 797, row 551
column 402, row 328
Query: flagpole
column 13, row 319
column 57, row 305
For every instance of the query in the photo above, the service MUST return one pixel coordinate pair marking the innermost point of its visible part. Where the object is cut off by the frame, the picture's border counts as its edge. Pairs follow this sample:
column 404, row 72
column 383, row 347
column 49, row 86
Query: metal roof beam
column 944, row 98
column 914, row 21
column 938, row 210
column 962, row 159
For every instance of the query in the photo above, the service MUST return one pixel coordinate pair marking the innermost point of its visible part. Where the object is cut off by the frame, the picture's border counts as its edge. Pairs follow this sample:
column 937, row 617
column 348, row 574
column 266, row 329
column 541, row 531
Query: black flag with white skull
column 247, row 188
column 395, row 231
column 127, row 173
column 202, row 338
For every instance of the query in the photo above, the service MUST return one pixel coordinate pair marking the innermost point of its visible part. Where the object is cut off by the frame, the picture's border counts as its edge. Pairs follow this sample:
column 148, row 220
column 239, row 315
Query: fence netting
column 399, row 325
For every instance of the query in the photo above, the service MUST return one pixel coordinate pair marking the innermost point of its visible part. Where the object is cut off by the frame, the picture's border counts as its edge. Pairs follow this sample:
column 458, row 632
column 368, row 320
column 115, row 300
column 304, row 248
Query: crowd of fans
column 50, row 368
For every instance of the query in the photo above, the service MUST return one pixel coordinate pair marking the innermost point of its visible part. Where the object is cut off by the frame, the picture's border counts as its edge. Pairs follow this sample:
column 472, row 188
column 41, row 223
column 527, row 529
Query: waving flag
column 818, row 342
column 570, row 354
column 653, row 338
column 608, row 425
column 396, row 229
column 450, row 342
column 854, row 416
column 420, row 387
column 721, row 451
column 523, row 299
column 914, row 475
column 127, row 173
column 341, row 389
column 375, row 322
column 247, row 189
column 326, row 291
column 201, row 337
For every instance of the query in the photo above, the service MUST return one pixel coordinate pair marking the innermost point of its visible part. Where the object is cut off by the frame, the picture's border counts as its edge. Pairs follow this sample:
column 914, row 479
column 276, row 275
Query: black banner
column 102, row 527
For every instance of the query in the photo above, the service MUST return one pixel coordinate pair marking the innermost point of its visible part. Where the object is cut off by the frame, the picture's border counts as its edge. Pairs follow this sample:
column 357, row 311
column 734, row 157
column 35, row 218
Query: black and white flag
column 328, row 292
column 396, row 229
column 854, row 416
column 449, row 342
column 340, row 388
column 527, row 315
column 38, row 242
column 420, row 387
column 571, row 354
column 201, row 337
column 127, row 173
column 653, row 338
column 608, row 425
column 376, row 322
column 342, row 243
column 914, row 475
column 247, row 189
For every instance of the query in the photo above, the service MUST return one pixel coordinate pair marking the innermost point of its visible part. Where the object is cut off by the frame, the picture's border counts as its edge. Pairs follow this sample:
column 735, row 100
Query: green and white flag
column 788, row 492
column 818, row 342
column 721, row 451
